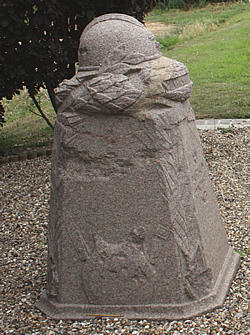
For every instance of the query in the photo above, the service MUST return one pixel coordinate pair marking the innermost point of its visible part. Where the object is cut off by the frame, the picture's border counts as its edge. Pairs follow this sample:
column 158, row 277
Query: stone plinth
column 134, row 226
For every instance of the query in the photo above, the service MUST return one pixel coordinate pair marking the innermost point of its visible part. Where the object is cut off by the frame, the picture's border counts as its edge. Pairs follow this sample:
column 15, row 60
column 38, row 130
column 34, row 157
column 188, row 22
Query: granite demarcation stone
column 134, row 226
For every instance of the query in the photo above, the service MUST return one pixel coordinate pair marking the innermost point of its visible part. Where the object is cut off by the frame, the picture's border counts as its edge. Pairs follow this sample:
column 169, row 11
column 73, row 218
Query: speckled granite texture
column 134, row 228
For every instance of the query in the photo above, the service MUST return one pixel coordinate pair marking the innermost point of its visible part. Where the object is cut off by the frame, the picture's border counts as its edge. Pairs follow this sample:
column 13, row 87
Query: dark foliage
column 2, row 121
column 39, row 39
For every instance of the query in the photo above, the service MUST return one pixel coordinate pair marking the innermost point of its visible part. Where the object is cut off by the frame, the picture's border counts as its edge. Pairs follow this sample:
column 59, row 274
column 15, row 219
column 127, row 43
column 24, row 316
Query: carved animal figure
column 126, row 259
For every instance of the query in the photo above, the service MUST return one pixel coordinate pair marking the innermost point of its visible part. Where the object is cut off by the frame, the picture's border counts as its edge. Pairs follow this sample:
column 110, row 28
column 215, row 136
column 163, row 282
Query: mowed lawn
column 218, row 62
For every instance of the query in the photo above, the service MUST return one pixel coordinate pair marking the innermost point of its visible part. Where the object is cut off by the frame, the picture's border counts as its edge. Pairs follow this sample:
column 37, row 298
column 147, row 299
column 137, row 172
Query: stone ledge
column 222, row 123
column 159, row 312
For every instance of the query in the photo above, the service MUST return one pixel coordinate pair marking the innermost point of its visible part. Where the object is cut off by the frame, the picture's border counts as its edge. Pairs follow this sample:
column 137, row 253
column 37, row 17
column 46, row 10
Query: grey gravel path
column 24, row 201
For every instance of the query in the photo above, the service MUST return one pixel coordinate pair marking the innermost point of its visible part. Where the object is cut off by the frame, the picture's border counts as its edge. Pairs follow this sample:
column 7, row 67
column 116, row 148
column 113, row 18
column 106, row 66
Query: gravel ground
column 24, row 205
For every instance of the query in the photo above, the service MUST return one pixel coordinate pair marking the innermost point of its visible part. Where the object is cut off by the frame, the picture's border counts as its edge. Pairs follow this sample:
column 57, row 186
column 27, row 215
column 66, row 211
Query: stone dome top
column 107, row 32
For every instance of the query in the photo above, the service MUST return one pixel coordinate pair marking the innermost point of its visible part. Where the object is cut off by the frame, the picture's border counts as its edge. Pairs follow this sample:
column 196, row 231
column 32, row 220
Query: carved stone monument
column 134, row 225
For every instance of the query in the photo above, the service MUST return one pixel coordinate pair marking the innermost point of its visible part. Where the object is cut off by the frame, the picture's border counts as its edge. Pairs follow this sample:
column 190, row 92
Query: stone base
column 153, row 311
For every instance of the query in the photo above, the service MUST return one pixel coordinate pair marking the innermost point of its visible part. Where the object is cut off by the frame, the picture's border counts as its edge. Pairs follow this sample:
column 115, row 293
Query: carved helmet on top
column 107, row 32
column 114, row 66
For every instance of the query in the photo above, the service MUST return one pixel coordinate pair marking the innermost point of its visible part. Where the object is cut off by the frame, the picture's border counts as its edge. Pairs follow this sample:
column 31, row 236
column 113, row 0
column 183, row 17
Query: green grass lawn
column 219, row 67
column 217, row 59
column 218, row 13
column 213, row 42
column 24, row 130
